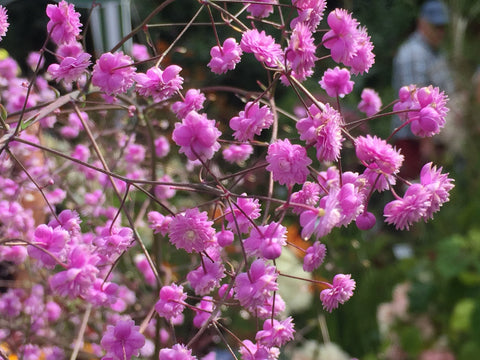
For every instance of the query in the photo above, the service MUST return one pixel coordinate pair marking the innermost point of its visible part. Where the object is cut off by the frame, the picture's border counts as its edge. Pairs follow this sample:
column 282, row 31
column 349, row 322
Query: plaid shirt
column 417, row 63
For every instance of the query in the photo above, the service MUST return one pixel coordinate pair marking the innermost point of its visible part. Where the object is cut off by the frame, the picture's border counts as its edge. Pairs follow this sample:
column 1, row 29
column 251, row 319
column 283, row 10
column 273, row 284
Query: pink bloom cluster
column 64, row 25
column 3, row 22
column 159, row 84
column 428, row 105
column 349, row 44
column 288, row 162
column 113, row 73
column 263, row 46
column 251, row 121
column 420, row 201
column 225, row 57
column 340, row 291
column 197, row 136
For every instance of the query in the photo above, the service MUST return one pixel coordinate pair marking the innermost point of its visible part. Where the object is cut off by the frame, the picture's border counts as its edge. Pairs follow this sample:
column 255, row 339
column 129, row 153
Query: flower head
column 300, row 52
column 226, row 57
column 171, row 303
column 193, row 101
column 438, row 185
column 371, row 102
column 376, row 153
column 275, row 333
column 159, row 84
column 288, row 162
column 245, row 210
column 177, row 352
column 340, row 291
column 260, row 10
column 122, row 340
column 266, row 240
column 113, row 73
column 322, row 129
column 336, row 82
column 411, row 208
column 310, row 12
column 70, row 68
column 237, row 153
column 342, row 38
column 251, row 121
column 263, row 46
column 3, row 22
column 314, row 256
column 197, row 136
column 192, row 231
column 64, row 24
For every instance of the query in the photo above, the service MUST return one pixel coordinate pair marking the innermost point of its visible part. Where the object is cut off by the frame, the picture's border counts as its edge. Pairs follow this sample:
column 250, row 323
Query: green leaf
column 461, row 315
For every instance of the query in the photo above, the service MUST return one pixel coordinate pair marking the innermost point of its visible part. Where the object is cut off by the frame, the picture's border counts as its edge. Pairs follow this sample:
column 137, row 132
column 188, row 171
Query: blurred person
column 420, row 61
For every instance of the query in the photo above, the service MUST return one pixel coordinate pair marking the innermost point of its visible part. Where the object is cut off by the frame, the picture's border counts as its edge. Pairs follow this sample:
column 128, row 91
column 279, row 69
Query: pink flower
column 113, row 73
column 226, row 57
column 266, row 241
column 74, row 126
column 323, row 219
column 251, row 121
column 52, row 240
column 438, row 185
column 177, row 352
column 260, row 10
column 144, row 267
column 193, row 101
column 288, row 163
column 237, row 153
column 206, row 277
column 275, row 333
column 164, row 192
column 162, row 146
column 79, row 276
column 159, row 84
column 411, row 208
column 192, row 231
column 3, row 22
column 342, row 38
column 158, row 222
column 322, row 129
column 363, row 59
column 378, row 155
column 310, row 12
column 254, row 288
column 371, row 102
column 203, row 311
column 431, row 117
column 251, row 351
column 340, row 291
column 70, row 69
column 197, row 136
column 336, row 82
column 140, row 52
column 314, row 256
column 64, row 24
column 350, row 201
column 245, row 210
column 122, row 340
column 309, row 195
column 300, row 52
column 262, row 46
column 172, row 301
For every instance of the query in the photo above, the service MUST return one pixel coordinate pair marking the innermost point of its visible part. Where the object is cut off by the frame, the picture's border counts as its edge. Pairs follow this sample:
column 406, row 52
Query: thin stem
column 179, row 36
column 81, row 332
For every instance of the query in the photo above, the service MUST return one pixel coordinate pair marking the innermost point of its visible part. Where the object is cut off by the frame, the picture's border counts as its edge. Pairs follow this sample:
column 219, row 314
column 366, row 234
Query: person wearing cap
column 419, row 61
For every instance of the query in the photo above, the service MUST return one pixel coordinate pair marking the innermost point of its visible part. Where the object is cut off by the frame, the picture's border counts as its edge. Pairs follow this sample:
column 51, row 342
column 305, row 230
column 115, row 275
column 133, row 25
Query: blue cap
column 435, row 12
